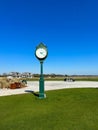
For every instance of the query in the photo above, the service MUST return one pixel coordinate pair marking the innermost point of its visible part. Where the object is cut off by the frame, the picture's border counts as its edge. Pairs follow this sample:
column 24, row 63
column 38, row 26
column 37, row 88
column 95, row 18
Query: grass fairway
column 67, row 109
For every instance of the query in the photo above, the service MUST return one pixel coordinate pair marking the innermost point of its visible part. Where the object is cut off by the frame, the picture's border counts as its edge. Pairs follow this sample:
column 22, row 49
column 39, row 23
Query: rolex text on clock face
column 41, row 53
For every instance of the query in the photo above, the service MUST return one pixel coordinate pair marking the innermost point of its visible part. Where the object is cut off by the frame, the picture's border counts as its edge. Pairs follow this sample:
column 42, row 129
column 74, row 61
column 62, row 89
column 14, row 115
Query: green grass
column 67, row 109
column 85, row 78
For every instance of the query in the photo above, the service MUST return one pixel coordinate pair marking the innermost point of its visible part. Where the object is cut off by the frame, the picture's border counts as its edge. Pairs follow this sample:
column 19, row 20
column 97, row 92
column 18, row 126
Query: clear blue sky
column 69, row 28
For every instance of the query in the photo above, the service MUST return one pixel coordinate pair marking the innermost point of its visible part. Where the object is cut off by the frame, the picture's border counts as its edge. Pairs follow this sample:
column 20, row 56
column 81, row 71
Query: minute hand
column 41, row 52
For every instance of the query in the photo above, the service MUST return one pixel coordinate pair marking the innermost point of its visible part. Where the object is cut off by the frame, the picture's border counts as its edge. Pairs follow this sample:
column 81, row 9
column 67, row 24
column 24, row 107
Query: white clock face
column 41, row 53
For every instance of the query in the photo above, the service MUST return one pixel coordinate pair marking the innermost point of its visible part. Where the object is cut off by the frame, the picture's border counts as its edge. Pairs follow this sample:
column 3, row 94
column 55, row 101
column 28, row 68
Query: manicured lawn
column 76, row 78
column 67, row 109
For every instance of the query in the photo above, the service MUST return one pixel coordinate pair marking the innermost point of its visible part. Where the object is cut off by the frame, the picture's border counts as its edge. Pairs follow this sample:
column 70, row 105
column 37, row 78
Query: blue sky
column 69, row 28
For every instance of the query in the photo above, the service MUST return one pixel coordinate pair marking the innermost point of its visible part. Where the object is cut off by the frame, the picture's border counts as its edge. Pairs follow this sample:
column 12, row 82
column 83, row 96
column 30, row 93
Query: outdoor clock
column 41, row 51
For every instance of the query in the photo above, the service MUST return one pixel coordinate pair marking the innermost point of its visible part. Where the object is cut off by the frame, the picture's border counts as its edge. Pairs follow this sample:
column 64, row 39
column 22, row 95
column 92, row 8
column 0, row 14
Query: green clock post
column 41, row 53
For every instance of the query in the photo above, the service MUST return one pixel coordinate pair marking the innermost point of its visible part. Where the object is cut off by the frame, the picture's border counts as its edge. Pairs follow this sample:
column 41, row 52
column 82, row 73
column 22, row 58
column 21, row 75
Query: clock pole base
column 41, row 96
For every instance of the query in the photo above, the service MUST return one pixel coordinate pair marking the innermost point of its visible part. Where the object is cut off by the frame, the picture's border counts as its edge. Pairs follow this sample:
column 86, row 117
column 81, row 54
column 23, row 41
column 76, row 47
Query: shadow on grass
column 32, row 92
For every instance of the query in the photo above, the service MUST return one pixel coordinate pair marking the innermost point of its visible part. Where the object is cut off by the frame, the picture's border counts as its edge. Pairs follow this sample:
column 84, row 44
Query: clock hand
column 42, row 53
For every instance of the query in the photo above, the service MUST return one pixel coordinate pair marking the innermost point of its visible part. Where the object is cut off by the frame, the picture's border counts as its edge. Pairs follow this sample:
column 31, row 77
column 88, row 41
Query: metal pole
column 41, row 82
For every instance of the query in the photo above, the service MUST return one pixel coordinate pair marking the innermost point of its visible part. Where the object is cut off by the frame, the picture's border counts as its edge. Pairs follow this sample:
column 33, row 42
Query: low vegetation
column 67, row 109
column 61, row 78
column 12, row 83
column 55, row 77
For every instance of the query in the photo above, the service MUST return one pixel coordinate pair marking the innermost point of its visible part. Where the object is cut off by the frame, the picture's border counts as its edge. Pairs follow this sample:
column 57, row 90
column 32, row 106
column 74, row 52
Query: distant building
column 18, row 75
column 15, row 74
column 4, row 74
column 26, row 75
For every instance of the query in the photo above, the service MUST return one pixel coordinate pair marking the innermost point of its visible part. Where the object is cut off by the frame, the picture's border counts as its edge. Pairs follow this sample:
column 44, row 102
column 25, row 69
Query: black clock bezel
column 41, row 45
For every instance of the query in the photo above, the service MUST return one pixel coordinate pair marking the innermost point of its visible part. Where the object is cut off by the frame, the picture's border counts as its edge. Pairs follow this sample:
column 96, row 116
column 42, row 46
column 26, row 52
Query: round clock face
column 41, row 53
